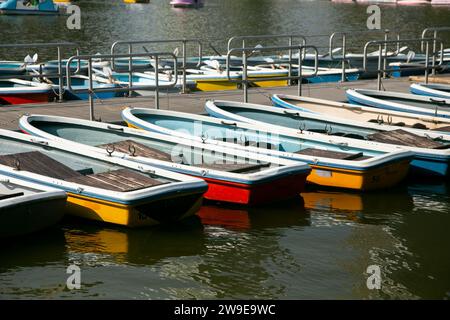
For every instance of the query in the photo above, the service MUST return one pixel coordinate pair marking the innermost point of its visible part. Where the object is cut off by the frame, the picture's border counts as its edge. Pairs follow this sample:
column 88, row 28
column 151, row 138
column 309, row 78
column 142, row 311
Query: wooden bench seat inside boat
column 39, row 163
column 444, row 129
column 10, row 195
column 405, row 138
column 332, row 154
column 123, row 180
column 235, row 167
column 137, row 149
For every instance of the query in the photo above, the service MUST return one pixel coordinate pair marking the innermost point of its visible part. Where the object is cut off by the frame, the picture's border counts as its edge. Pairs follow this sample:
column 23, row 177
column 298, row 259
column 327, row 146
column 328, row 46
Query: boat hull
column 276, row 190
column 24, row 98
column 30, row 216
column 385, row 176
column 212, row 85
column 134, row 216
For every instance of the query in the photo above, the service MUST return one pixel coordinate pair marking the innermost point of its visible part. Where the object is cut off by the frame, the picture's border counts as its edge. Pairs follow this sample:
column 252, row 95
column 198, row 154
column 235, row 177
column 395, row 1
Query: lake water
column 317, row 246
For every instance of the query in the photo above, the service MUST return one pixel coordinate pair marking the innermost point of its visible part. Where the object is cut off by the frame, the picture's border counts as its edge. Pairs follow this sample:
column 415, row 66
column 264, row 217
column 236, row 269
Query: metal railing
column 290, row 37
column 345, row 35
column 91, row 90
column 382, row 56
column 183, row 43
column 435, row 31
column 244, row 79
column 59, row 74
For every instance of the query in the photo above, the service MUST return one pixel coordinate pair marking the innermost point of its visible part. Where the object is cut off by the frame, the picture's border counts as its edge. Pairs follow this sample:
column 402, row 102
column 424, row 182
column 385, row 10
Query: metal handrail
column 183, row 43
column 290, row 38
column 382, row 56
column 331, row 49
column 301, row 52
column 58, row 46
column 91, row 91
column 435, row 36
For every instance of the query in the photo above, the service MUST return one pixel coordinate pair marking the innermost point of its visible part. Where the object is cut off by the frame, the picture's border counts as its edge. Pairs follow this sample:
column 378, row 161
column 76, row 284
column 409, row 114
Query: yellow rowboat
column 352, row 165
column 99, row 187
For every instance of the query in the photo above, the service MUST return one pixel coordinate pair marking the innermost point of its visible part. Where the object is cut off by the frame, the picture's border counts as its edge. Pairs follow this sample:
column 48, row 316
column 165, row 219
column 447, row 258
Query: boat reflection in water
column 134, row 246
column 275, row 215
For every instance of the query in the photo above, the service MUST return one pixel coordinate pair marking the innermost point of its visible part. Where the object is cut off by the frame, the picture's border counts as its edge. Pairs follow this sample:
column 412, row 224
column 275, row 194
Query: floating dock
column 109, row 110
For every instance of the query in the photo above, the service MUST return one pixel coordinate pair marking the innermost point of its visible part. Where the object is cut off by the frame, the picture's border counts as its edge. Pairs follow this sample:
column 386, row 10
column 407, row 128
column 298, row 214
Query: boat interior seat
column 39, row 163
column 10, row 195
column 136, row 149
column 444, row 129
column 122, row 180
column 333, row 154
column 405, row 138
column 249, row 143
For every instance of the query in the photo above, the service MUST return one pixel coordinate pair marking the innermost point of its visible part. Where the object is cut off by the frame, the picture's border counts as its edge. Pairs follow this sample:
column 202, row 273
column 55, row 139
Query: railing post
column 60, row 77
column 157, row 81
column 91, row 90
column 433, row 72
column 290, row 61
column 299, row 81
column 385, row 47
column 130, row 69
column 184, row 67
column 427, row 48
column 244, row 75
column 380, row 71
column 344, row 49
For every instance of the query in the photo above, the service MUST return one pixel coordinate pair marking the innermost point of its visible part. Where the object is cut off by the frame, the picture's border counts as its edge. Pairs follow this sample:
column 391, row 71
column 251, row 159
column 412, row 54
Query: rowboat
column 397, row 101
column 11, row 68
column 233, row 176
column 431, row 89
column 27, row 207
column 81, row 82
column 353, row 112
column 51, row 67
column 17, row 91
column 431, row 150
column 98, row 187
column 186, row 3
column 23, row 7
column 334, row 164
column 148, row 80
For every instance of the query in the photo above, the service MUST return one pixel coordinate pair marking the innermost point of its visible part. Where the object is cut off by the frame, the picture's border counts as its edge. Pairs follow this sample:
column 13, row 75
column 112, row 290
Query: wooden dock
column 109, row 110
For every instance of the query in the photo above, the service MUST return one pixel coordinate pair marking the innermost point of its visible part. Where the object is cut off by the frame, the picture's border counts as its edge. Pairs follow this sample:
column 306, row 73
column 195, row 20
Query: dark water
column 316, row 248
column 106, row 21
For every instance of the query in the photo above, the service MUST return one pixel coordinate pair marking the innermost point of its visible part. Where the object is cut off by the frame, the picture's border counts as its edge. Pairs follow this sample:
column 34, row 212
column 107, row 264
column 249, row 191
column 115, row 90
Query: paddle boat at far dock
column 29, row 7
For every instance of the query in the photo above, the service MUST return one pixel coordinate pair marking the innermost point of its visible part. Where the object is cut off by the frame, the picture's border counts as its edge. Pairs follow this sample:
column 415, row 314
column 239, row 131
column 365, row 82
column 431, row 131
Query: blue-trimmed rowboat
column 431, row 148
column 334, row 163
column 27, row 207
column 99, row 187
column 145, row 79
column 234, row 176
column 81, row 82
column 431, row 89
column 397, row 101
column 11, row 68
column 358, row 113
